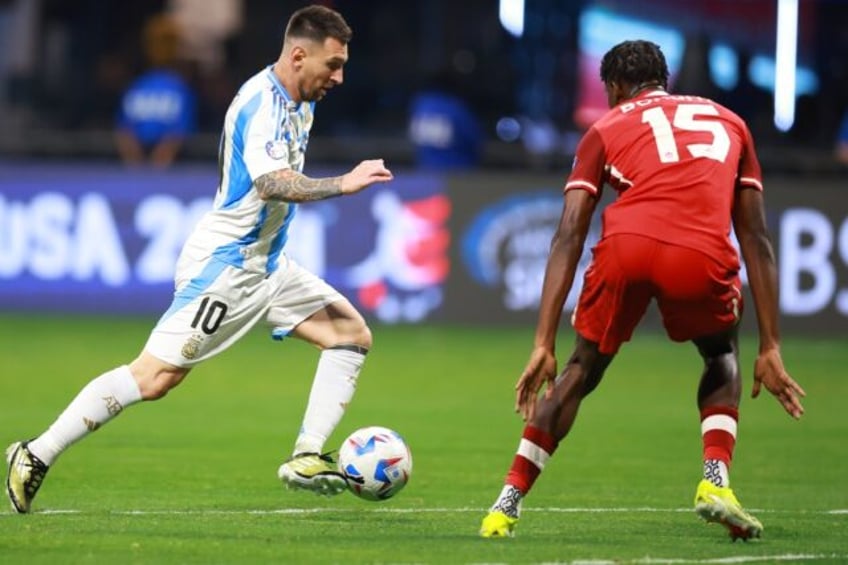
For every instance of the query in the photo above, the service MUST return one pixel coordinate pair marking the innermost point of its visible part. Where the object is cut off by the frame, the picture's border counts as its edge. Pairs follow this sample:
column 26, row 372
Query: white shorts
column 215, row 304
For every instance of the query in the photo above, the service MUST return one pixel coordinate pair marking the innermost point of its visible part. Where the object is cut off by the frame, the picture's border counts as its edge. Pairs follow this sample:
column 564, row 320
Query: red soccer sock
column 534, row 450
column 718, row 431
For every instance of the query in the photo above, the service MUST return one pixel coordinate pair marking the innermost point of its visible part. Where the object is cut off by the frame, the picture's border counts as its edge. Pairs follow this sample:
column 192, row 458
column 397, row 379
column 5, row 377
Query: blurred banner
column 502, row 227
column 106, row 239
column 467, row 248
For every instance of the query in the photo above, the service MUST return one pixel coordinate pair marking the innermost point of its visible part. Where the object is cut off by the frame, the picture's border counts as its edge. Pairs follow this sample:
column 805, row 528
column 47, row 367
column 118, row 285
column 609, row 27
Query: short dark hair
column 318, row 23
column 635, row 62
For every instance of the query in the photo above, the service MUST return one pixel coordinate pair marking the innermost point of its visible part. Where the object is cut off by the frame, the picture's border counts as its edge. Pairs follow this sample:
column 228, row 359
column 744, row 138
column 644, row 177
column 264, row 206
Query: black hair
column 639, row 63
column 317, row 23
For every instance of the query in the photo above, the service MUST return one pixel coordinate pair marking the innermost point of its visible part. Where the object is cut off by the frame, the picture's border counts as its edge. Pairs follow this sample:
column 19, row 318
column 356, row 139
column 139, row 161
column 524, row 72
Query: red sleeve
column 750, row 174
column 588, row 169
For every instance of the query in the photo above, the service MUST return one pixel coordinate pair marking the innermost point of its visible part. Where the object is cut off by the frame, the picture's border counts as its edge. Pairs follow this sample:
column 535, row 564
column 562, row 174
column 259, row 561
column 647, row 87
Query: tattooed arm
column 290, row 186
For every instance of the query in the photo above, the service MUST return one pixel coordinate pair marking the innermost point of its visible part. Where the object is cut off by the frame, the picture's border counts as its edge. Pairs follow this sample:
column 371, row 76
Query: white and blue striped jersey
column 264, row 131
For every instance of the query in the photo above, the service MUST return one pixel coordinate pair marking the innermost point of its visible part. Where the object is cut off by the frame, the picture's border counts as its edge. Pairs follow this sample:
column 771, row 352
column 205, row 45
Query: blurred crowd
column 445, row 77
column 71, row 63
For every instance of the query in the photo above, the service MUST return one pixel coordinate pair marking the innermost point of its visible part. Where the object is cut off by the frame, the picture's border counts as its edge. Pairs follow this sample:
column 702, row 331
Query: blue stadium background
column 82, row 232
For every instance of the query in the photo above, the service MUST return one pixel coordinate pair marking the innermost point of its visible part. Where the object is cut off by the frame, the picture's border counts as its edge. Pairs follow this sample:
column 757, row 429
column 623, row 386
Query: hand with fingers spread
column 769, row 372
column 541, row 368
column 648, row 250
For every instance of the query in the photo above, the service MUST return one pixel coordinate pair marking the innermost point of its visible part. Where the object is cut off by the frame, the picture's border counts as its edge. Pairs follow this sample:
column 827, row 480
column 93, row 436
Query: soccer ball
column 376, row 462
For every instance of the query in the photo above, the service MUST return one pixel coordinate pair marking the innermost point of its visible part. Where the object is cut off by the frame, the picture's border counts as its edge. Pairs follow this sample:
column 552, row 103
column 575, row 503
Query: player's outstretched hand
column 365, row 174
column 541, row 368
column 769, row 372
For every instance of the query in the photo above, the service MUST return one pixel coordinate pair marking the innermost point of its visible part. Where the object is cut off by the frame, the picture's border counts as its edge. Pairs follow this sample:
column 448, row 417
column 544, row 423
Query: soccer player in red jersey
column 685, row 170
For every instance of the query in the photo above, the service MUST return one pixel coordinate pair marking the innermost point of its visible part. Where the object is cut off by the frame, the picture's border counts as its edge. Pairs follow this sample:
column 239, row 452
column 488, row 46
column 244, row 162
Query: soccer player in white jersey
column 233, row 273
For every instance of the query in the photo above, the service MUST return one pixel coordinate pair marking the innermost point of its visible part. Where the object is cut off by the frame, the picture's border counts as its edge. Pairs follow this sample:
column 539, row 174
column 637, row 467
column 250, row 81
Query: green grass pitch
column 192, row 478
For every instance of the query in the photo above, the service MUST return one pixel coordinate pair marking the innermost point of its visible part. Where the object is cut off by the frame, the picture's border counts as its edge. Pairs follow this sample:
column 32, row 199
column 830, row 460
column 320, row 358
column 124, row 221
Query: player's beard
column 314, row 95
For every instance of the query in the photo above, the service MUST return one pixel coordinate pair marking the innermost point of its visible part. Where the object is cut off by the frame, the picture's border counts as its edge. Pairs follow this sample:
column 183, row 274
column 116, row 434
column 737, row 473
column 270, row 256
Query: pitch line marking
column 717, row 560
column 642, row 561
column 301, row 511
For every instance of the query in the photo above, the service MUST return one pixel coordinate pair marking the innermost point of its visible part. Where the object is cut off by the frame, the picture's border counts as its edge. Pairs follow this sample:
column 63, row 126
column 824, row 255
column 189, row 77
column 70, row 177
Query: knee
column 155, row 382
column 359, row 334
column 721, row 383
column 574, row 383
column 591, row 380
column 587, row 372
column 366, row 339
column 722, row 364
column 588, row 365
column 154, row 389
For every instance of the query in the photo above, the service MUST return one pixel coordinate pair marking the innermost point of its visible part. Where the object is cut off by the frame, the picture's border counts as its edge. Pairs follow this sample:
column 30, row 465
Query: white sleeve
column 265, row 148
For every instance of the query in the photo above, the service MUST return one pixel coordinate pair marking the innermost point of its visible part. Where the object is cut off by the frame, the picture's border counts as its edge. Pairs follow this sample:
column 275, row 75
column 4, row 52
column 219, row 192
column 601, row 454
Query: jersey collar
column 649, row 93
column 278, row 86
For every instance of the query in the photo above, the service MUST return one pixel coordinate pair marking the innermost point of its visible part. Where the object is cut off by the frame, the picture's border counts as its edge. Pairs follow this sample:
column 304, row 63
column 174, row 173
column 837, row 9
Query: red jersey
column 675, row 162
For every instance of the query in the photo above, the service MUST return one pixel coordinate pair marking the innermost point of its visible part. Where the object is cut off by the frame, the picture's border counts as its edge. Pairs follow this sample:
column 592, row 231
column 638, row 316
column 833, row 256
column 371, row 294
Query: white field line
column 393, row 510
column 742, row 559
column 792, row 557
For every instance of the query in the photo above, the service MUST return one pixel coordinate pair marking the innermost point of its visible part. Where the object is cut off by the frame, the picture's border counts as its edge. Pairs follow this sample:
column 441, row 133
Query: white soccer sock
column 332, row 390
column 509, row 502
column 98, row 402
column 716, row 472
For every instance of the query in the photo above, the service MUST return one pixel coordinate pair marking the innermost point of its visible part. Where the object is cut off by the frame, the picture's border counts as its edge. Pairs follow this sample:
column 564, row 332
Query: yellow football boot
column 496, row 524
column 719, row 505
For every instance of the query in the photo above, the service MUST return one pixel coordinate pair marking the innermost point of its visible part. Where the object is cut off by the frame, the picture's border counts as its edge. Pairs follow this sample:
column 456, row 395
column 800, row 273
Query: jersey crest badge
column 192, row 347
column 276, row 149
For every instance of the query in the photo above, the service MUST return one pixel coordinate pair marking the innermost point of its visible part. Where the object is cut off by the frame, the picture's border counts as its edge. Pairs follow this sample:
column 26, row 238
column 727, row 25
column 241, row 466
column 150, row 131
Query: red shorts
column 696, row 294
